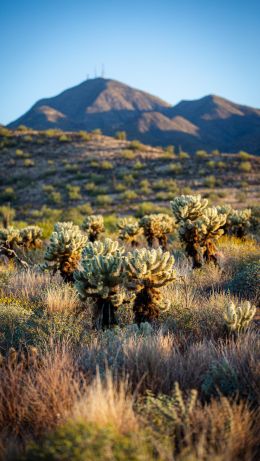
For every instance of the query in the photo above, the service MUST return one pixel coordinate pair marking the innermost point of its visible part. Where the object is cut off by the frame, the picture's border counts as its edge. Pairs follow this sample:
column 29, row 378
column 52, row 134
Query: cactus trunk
column 105, row 314
column 146, row 306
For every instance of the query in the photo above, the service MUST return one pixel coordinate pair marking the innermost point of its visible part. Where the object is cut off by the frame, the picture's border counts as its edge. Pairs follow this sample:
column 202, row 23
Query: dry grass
column 37, row 398
column 28, row 284
column 107, row 403
column 60, row 298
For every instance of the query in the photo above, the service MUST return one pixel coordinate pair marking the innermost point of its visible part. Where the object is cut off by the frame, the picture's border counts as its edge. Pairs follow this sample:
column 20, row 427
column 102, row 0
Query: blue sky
column 177, row 50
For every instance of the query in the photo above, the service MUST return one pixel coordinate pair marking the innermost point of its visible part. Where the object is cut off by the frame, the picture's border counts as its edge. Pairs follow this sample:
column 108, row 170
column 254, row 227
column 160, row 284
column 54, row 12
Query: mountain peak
column 210, row 122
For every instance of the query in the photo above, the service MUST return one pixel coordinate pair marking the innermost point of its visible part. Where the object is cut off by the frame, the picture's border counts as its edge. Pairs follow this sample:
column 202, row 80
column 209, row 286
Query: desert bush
column 246, row 279
column 93, row 225
column 129, row 195
column 128, row 154
column 81, row 441
column 84, row 136
column 28, row 162
column 64, row 250
column 245, row 167
column 7, row 215
column 121, row 135
column 181, row 428
column 150, row 270
column 156, row 227
column 14, row 316
column 106, row 165
column 104, row 200
column 74, row 192
column 136, row 145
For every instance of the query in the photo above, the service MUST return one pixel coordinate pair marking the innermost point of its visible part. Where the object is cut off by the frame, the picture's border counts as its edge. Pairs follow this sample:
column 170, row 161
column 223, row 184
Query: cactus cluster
column 31, row 237
column 93, row 225
column 157, row 227
column 199, row 227
column 149, row 271
column 130, row 231
column 112, row 278
column 103, row 278
column 239, row 316
column 238, row 222
column 12, row 239
column 64, row 250
column 188, row 207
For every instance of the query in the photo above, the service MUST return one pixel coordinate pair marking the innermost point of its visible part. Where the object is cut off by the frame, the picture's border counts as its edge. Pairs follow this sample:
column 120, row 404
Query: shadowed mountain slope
column 208, row 123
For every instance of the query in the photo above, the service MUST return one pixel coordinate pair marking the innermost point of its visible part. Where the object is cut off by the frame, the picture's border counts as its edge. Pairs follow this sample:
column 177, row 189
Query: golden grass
column 60, row 298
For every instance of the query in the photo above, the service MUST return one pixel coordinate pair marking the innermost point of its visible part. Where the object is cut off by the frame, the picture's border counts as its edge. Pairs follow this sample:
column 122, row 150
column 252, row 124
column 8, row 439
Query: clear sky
column 175, row 49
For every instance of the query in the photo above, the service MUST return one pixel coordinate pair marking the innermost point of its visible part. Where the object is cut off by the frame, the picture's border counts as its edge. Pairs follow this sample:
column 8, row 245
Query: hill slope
column 209, row 123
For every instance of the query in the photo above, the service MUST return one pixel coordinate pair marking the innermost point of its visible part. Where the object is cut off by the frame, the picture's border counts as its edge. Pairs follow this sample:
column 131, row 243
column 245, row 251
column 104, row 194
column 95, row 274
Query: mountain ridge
column 211, row 122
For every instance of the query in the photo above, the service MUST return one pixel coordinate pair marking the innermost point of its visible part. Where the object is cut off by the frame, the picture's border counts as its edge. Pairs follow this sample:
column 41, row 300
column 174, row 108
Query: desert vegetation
column 128, row 337
column 117, row 348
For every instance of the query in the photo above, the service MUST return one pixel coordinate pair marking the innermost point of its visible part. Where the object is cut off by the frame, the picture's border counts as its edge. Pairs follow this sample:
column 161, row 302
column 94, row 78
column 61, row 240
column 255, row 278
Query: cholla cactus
column 238, row 317
column 94, row 226
column 31, row 237
column 200, row 235
column 149, row 270
column 105, row 248
column 157, row 226
column 64, row 250
column 130, row 231
column 103, row 278
column 9, row 238
column 238, row 222
column 188, row 207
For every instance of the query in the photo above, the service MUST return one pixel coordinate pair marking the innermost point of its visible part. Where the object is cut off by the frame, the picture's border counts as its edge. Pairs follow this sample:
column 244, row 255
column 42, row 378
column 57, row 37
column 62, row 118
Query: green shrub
column 136, row 145
column 245, row 167
column 103, row 200
column 128, row 154
column 28, row 162
column 84, row 136
column 82, row 441
column 201, row 154
column 105, row 165
column 8, row 194
column 129, row 195
column 121, row 135
column 74, row 192
column 14, row 318
column 64, row 138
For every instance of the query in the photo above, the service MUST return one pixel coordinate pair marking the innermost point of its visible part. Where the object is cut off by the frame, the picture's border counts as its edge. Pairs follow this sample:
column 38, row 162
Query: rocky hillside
column 56, row 175
column 207, row 123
